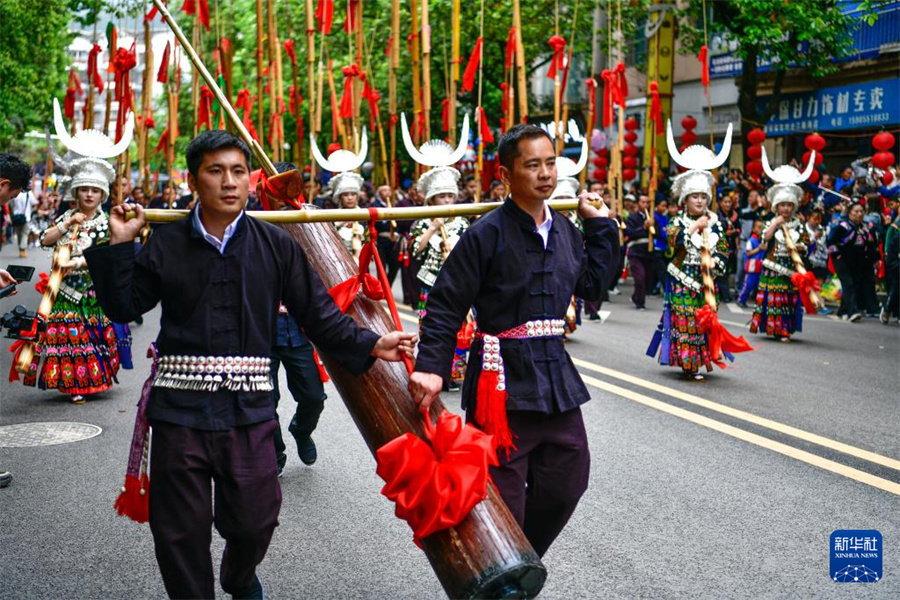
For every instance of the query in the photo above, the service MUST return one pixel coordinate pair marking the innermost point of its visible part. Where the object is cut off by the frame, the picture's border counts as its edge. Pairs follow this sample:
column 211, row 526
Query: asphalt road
column 723, row 489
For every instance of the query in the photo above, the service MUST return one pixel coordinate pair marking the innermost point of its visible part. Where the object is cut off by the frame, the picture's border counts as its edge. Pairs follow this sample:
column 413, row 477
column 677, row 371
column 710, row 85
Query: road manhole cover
column 25, row 435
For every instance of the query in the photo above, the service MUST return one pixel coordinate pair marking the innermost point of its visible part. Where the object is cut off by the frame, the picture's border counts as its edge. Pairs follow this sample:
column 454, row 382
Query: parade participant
column 433, row 240
column 520, row 265
column 638, row 225
column 853, row 250
column 679, row 339
column 660, row 246
column 728, row 217
column 219, row 276
column 747, row 216
column 15, row 176
column 891, row 306
column 753, row 266
column 346, row 186
column 779, row 307
column 293, row 350
column 498, row 191
column 80, row 348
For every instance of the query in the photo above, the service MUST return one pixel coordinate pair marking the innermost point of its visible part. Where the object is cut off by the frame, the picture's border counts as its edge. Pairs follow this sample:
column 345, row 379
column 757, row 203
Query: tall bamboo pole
column 595, row 44
column 392, row 91
column 479, row 165
column 426, row 69
column 454, row 67
column 416, row 68
column 275, row 84
column 342, row 132
column 260, row 109
column 557, row 88
column 146, row 110
column 195, row 80
column 311, row 83
column 520, row 63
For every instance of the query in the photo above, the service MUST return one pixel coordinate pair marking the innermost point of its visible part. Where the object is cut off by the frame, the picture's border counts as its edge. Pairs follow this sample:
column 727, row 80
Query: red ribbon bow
column 124, row 61
column 93, row 73
column 558, row 43
column 720, row 340
column 656, row 107
column 346, row 109
column 344, row 293
column 435, row 483
column 472, row 67
column 806, row 284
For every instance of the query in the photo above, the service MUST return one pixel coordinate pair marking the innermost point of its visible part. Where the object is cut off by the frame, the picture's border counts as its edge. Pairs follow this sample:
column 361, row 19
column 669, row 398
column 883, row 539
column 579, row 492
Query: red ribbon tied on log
column 286, row 187
column 93, row 72
column 346, row 110
column 558, row 43
column 806, row 283
column 345, row 292
column 472, row 67
column 436, row 484
column 720, row 340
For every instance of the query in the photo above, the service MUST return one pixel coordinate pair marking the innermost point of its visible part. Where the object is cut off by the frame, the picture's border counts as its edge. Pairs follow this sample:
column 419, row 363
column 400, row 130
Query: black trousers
column 857, row 287
column 644, row 275
column 305, row 386
column 186, row 465
column 545, row 476
column 388, row 252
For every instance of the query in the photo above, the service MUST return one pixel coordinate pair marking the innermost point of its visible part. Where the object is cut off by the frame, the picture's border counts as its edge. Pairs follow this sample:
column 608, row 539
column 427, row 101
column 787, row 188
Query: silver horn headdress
column 786, row 178
column 699, row 160
column 442, row 178
column 567, row 171
column 342, row 163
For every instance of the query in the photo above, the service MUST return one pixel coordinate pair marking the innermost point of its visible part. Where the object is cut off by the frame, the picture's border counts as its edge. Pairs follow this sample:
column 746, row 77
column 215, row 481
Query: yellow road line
column 758, row 440
column 744, row 416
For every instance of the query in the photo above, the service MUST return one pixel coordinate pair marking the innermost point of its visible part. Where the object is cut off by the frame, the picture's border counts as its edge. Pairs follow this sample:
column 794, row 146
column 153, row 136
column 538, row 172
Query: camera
column 21, row 324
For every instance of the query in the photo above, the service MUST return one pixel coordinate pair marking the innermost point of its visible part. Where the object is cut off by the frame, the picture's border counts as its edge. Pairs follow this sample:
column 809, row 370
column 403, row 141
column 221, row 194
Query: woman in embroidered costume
column 679, row 338
column 567, row 188
column 779, row 308
column 79, row 347
column 434, row 239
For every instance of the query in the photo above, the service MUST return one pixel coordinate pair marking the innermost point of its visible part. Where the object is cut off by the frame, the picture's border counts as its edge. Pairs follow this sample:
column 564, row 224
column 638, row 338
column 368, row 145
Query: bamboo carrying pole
column 520, row 64
column 798, row 265
column 454, row 67
column 426, row 70
column 311, row 83
column 479, row 164
column 416, row 69
column 392, row 91
column 486, row 555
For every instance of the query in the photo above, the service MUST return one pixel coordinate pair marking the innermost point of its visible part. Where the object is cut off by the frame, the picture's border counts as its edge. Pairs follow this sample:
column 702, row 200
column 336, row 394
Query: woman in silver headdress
column 779, row 308
column 679, row 338
column 80, row 349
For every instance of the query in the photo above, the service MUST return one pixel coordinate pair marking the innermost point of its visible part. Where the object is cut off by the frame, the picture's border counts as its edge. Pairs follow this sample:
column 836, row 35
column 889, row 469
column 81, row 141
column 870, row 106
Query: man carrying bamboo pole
column 520, row 266
column 220, row 278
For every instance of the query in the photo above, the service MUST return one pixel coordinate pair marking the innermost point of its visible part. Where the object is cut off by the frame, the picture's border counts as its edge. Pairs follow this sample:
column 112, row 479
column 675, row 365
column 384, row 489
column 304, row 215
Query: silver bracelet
column 62, row 228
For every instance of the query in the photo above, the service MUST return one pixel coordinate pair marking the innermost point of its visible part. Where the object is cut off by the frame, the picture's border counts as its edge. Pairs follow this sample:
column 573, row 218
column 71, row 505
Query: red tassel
column 350, row 21
column 93, row 73
column 704, row 61
column 350, row 72
column 510, row 46
column 486, row 136
column 806, row 284
column 193, row 6
column 372, row 96
column 289, row 49
column 472, row 67
column 558, row 43
column 609, row 85
column 622, row 84
column 490, row 410
column 720, row 340
column 205, row 108
column 134, row 500
column 323, row 374
column 69, row 104
column 445, row 114
column 325, row 15
column 162, row 75
column 656, row 107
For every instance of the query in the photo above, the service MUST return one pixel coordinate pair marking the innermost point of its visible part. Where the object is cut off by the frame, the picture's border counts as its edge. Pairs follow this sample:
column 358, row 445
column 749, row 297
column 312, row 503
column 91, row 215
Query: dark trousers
column 305, row 386
column 546, row 475
column 857, row 287
column 409, row 283
column 892, row 284
column 643, row 273
column 387, row 251
column 184, row 465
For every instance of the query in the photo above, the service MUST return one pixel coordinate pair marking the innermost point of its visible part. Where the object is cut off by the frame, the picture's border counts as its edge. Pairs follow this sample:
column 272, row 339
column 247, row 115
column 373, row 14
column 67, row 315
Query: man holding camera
column 14, row 177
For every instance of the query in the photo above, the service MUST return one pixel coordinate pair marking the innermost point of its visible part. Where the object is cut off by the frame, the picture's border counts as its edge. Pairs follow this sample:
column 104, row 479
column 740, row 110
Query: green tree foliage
column 805, row 34
column 33, row 64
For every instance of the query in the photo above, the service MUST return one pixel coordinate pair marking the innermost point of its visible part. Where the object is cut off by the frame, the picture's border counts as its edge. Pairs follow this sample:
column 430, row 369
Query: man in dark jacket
column 219, row 276
column 519, row 266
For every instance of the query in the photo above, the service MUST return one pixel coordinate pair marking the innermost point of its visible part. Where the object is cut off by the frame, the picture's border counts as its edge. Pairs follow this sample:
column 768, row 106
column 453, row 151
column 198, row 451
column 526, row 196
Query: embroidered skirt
column 778, row 309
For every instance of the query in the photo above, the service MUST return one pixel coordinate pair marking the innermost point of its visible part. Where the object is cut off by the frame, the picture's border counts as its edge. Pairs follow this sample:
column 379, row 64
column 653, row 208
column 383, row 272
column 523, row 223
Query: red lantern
column 629, row 162
column 599, row 175
column 688, row 138
column 602, row 162
column 814, row 141
column 883, row 141
column 631, row 150
column 631, row 124
column 630, row 137
column 813, row 177
column 688, row 122
column 883, row 160
column 755, row 168
column 596, row 160
column 887, row 178
column 756, row 136
column 603, row 152
column 629, row 174
column 818, row 161
column 754, row 152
